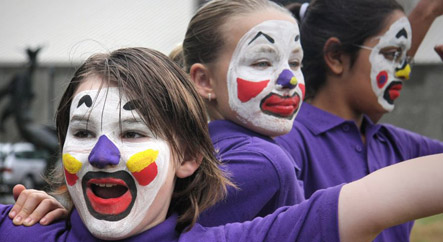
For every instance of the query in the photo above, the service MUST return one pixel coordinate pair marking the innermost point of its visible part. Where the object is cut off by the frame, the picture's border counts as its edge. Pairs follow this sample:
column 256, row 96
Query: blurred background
column 44, row 41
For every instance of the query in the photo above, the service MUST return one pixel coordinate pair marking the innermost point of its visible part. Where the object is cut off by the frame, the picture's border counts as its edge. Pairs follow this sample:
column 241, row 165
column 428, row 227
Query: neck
column 333, row 99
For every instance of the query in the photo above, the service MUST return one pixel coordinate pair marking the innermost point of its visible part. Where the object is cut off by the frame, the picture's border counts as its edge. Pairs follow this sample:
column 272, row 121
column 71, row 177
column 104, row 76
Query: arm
column 34, row 206
column 421, row 19
column 439, row 50
column 390, row 196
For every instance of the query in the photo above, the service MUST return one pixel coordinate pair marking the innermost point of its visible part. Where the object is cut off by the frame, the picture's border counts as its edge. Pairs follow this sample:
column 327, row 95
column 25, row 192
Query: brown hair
column 352, row 22
column 172, row 109
column 204, row 36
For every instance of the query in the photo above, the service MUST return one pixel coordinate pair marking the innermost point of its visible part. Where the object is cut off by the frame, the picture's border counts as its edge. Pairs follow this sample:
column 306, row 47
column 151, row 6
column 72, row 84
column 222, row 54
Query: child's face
column 380, row 69
column 119, row 175
column 265, row 86
column 389, row 67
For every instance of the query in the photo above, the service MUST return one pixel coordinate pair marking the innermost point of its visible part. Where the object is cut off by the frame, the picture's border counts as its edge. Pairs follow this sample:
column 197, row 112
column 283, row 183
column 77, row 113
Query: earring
column 209, row 96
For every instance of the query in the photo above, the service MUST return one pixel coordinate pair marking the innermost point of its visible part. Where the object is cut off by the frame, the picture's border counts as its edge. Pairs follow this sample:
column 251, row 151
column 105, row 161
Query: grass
column 428, row 229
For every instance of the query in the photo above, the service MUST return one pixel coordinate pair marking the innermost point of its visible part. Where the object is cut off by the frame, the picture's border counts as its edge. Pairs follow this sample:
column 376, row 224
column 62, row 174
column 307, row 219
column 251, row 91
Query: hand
column 34, row 206
column 439, row 50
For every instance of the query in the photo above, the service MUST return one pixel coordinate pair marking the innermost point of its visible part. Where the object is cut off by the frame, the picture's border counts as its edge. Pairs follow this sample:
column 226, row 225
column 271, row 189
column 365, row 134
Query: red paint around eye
column 248, row 90
column 147, row 175
column 71, row 179
column 382, row 79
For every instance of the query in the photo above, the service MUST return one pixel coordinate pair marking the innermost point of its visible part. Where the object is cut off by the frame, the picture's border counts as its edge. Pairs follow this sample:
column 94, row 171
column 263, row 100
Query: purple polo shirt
column 329, row 151
column 262, row 170
column 313, row 220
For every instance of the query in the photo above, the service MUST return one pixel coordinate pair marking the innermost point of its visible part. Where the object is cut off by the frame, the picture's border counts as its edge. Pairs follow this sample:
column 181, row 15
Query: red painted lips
column 394, row 91
column 280, row 106
column 108, row 195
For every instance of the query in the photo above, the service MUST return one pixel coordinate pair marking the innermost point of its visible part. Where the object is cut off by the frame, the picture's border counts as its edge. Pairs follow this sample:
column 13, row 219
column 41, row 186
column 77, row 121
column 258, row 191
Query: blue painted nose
column 286, row 79
column 104, row 153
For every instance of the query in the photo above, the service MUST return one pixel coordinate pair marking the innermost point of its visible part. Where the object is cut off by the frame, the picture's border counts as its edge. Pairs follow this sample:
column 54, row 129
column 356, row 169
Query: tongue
column 109, row 192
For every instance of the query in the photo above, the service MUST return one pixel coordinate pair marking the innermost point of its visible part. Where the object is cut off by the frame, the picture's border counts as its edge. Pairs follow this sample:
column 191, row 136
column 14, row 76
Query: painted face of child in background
column 265, row 83
column 389, row 65
column 114, row 167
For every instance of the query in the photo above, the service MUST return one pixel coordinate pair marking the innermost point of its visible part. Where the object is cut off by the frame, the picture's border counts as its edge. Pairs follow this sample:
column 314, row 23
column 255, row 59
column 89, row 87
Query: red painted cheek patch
column 248, row 90
column 303, row 90
column 143, row 167
column 382, row 79
column 71, row 166
column 147, row 175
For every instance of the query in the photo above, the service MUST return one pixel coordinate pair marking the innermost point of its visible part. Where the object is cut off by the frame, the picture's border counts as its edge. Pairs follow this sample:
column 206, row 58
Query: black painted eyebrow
column 265, row 35
column 401, row 33
column 86, row 99
column 130, row 105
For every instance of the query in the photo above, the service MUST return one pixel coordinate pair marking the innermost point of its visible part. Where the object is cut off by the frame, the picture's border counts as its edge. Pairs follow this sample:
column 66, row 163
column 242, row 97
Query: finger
column 54, row 215
column 39, row 212
column 20, row 201
column 19, row 188
column 32, row 200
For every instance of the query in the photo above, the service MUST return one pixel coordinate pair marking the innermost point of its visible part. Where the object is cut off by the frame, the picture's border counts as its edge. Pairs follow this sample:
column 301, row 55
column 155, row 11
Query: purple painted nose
column 104, row 153
column 286, row 79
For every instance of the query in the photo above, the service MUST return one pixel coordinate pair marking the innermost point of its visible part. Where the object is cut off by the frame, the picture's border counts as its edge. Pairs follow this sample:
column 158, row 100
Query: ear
column 333, row 56
column 188, row 167
column 200, row 75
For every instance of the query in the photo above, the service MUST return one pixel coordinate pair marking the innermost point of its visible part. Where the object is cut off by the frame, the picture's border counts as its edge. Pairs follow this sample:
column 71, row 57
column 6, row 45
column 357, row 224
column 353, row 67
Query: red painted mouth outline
column 111, row 209
column 280, row 106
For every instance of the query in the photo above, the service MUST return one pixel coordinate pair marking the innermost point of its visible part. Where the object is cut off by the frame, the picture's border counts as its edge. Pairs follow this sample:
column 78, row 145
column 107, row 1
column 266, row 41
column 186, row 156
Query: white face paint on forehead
column 114, row 167
column 265, row 83
column 386, row 74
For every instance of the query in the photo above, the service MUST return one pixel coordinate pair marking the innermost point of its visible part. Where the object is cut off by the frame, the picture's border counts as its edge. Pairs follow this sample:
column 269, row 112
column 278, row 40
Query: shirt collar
column 320, row 121
column 165, row 231
column 221, row 129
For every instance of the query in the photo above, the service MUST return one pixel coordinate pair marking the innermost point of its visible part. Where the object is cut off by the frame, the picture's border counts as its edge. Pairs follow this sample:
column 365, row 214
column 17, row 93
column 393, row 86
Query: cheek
column 143, row 166
column 382, row 79
column 71, row 166
column 246, row 90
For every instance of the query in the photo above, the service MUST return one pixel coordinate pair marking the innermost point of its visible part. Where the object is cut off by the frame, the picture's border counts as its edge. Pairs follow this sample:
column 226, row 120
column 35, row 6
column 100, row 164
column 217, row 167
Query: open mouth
column 280, row 106
column 109, row 196
column 392, row 92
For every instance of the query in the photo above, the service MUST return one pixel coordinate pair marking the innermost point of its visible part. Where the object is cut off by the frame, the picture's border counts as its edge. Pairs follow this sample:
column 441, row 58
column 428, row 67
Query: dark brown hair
column 172, row 109
column 351, row 21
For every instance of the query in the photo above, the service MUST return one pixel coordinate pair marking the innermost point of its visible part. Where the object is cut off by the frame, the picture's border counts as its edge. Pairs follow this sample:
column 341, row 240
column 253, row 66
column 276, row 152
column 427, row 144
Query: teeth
column 105, row 185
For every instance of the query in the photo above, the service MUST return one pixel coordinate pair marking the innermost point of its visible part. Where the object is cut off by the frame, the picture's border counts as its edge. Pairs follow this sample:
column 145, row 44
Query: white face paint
column 114, row 167
column 386, row 74
column 265, row 83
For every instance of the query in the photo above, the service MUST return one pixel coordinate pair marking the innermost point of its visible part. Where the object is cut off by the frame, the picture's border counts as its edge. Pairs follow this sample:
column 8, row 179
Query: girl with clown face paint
column 244, row 58
column 355, row 65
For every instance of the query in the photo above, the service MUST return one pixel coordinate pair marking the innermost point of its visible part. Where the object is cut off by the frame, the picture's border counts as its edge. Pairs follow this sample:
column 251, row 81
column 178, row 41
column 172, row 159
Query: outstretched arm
column 34, row 206
column 391, row 196
column 439, row 50
column 421, row 19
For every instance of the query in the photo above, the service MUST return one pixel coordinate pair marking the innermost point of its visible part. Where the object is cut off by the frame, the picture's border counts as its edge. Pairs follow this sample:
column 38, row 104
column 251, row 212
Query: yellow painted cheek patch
column 71, row 167
column 143, row 166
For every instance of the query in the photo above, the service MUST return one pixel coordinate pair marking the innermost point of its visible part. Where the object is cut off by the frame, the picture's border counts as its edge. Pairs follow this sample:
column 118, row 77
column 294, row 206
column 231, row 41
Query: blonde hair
column 204, row 36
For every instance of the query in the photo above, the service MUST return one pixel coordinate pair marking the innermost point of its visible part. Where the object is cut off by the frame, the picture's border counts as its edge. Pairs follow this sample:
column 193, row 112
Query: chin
column 275, row 127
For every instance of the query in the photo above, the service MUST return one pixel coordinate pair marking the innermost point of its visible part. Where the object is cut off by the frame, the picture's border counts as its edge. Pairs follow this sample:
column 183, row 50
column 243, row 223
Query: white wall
column 70, row 30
